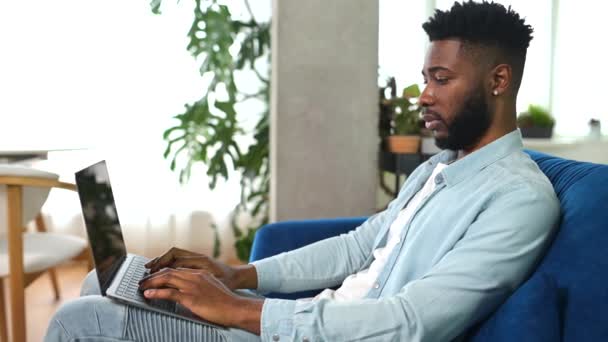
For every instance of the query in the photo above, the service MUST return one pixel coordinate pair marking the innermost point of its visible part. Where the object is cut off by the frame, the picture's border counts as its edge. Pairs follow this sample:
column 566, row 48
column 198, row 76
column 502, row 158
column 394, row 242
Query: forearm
column 325, row 253
column 321, row 264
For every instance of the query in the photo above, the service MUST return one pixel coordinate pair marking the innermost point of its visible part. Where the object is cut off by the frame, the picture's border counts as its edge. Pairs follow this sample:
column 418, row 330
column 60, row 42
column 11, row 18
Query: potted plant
column 536, row 122
column 404, row 133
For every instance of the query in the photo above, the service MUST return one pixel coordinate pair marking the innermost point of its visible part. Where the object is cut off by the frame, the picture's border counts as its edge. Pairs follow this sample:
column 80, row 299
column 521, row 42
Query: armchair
column 24, row 256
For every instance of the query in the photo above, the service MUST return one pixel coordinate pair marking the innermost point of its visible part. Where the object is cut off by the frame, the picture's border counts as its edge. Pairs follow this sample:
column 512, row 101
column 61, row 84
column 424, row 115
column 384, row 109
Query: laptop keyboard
column 129, row 286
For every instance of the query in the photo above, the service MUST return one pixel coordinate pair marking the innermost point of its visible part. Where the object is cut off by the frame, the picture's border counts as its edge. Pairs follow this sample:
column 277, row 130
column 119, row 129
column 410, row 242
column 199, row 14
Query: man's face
column 454, row 101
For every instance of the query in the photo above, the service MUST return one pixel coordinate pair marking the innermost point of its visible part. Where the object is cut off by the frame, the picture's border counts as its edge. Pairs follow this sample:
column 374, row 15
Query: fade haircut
column 491, row 26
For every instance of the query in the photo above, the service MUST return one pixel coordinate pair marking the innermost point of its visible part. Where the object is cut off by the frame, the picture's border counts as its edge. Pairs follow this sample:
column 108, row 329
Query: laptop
column 117, row 271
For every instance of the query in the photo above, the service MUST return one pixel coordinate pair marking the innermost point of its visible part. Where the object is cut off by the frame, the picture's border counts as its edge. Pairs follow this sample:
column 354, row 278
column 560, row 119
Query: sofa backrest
column 578, row 258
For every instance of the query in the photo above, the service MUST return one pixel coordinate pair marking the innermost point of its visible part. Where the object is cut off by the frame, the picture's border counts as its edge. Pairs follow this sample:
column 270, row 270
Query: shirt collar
column 476, row 161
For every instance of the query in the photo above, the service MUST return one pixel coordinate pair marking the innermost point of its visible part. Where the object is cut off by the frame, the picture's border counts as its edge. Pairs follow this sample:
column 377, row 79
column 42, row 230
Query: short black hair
column 485, row 24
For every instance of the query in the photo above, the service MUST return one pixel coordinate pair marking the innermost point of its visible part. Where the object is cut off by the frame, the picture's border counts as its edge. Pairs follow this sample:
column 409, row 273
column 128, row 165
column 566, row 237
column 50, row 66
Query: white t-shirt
column 357, row 285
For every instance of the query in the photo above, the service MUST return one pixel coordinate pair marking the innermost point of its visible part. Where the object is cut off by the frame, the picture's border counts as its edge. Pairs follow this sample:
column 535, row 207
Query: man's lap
column 96, row 317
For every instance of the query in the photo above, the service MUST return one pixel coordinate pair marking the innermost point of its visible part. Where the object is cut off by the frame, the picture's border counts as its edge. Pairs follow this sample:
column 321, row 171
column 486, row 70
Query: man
column 465, row 231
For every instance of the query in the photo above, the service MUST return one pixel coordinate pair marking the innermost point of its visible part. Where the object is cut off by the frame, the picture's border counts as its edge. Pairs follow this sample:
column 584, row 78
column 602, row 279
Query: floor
column 40, row 302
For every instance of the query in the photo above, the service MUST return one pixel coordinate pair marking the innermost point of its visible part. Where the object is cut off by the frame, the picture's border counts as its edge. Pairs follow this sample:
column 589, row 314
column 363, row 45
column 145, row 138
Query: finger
column 152, row 275
column 193, row 270
column 155, row 275
column 159, row 261
column 166, row 259
column 169, row 294
column 166, row 270
column 151, row 262
column 171, row 278
column 189, row 261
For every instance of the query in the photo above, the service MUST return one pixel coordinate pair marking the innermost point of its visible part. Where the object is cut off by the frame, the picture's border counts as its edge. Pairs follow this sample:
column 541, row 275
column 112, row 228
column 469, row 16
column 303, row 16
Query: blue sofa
column 565, row 299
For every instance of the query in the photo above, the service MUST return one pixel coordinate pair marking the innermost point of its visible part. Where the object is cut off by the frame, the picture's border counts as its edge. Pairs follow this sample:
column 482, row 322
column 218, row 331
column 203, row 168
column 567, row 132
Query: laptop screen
column 101, row 220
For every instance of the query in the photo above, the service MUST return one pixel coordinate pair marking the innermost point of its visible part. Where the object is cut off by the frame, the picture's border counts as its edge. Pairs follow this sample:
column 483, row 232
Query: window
column 579, row 70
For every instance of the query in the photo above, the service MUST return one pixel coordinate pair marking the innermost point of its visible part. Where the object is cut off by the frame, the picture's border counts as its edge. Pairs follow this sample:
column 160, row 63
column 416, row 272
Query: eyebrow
column 435, row 69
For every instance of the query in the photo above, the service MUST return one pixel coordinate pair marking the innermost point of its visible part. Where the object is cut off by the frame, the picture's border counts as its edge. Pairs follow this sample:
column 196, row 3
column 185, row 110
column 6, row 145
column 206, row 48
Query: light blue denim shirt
column 469, row 244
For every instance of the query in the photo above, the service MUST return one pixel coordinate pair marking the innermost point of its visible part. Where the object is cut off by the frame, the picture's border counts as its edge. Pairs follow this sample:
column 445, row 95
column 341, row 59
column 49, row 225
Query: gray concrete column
column 324, row 110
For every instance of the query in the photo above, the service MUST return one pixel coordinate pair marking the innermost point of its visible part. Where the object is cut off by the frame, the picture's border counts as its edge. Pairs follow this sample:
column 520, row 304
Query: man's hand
column 234, row 277
column 206, row 296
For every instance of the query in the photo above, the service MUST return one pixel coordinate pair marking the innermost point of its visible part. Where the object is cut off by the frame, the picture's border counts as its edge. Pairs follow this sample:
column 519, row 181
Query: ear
column 500, row 79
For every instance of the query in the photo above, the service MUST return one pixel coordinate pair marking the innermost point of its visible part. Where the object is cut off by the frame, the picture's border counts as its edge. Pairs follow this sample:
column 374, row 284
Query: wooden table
column 12, row 156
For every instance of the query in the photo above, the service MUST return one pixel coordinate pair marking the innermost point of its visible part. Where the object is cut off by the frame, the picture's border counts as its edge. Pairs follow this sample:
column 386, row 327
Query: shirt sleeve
column 322, row 264
column 493, row 258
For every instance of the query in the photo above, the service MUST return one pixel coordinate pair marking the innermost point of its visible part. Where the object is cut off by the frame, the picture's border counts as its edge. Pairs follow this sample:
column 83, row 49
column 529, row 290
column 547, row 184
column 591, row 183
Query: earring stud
column 495, row 92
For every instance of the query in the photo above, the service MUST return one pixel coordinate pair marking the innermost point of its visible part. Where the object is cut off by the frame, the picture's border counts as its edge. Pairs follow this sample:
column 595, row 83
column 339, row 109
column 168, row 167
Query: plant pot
column 403, row 143
column 536, row 132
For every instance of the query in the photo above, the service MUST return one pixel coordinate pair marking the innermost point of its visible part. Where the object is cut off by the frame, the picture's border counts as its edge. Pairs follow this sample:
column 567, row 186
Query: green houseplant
column 404, row 111
column 536, row 122
column 211, row 130
column 399, row 128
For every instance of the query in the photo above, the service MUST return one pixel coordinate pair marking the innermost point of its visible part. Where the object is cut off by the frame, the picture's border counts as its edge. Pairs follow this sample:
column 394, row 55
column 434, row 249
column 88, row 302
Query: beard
column 469, row 125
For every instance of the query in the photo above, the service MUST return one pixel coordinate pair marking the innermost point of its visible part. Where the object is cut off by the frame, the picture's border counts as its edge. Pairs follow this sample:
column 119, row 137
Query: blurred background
column 88, row 81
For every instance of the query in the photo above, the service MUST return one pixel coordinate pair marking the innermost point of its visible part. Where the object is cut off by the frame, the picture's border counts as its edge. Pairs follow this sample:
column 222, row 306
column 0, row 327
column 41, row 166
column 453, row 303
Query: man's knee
column 88, row 316
column 90, row 285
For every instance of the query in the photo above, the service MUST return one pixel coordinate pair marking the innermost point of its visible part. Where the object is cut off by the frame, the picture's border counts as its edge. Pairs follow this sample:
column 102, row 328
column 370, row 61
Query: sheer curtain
column 108, row 77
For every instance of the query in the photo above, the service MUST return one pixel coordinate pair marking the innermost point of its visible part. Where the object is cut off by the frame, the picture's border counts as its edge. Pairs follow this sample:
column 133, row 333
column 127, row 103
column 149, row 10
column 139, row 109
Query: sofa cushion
column 530, row 314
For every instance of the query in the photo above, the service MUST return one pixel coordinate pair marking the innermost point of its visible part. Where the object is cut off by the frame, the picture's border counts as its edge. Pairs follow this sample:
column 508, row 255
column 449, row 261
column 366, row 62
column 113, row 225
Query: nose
column 427, row 98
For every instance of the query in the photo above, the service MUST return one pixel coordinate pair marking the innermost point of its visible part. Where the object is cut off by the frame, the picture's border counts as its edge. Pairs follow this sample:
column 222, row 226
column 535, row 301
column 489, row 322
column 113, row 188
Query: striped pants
column 93, row 317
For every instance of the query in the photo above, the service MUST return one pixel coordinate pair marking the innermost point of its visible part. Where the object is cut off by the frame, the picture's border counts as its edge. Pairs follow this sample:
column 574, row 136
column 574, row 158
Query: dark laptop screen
column 101, row 219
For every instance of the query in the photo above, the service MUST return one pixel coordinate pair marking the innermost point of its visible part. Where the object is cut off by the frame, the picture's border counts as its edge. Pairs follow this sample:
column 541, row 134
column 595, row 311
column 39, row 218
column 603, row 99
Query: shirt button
column 376, row 286
column 275, row 337
column 438, row 179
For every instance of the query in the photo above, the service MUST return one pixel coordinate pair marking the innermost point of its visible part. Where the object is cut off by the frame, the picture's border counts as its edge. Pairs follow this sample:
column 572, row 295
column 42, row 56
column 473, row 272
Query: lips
column 431, row 121
column 432, row 125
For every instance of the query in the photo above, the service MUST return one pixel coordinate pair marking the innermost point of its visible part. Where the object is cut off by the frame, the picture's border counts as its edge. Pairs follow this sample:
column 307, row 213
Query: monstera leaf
column 208, row 130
